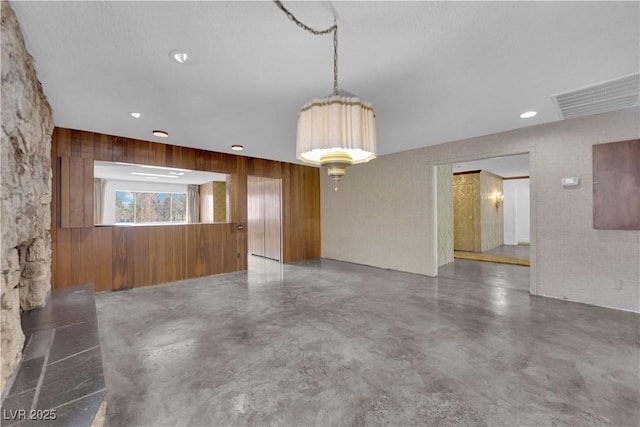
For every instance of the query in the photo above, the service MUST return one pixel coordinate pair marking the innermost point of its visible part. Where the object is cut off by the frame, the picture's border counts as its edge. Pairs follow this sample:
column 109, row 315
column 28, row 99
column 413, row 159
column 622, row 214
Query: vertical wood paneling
column 201, row 160
column 139, row 241
column 176, row 156
column 216, row 240
column 123, row 257
column 144, row 153
column 152, row 265
column 122, row 272
column 55, row 187
column 63, row 257
column 230, row 241
column 103, row 147
column 119, row 150
column 82, row 256
column 161, row 260
column 76, row 192
column 160, row 154
column 131, row 151
column 87, row 179
column 103, row 265
column 62, row 187
column 188, row 158
column 62, row 141
column 238, row 210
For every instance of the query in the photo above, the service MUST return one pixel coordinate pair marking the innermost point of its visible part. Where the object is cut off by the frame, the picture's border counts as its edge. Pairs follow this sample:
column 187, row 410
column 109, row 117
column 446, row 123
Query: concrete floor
column 330, row 343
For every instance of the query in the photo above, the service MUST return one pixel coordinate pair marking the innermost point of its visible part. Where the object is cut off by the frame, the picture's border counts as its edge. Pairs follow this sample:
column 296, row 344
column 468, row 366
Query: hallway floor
column 505, row 254
column 330, row 343
column 515, row 251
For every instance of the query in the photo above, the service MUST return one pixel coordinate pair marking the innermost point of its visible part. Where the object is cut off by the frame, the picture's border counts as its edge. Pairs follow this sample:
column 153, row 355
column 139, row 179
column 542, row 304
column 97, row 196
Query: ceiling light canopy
column 338, row 130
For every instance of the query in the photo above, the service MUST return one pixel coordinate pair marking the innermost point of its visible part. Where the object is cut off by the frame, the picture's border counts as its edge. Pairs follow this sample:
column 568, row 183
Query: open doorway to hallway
column 490, row 214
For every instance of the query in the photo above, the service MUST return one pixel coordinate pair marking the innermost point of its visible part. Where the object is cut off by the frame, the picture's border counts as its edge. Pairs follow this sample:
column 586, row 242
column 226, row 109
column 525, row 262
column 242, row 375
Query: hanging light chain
column 333, row 28
column 335, row 60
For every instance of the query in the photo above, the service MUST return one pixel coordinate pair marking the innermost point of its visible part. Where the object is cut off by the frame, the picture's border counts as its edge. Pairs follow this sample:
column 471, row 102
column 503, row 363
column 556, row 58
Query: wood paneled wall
column 122, row 257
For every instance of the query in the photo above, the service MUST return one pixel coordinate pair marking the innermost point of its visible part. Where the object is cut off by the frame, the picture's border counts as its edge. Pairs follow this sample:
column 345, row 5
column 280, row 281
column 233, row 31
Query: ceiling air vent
column 602, row 97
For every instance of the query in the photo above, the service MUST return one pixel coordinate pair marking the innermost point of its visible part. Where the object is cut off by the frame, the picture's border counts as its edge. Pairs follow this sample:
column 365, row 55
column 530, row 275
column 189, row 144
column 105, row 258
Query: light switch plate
column 570, row 181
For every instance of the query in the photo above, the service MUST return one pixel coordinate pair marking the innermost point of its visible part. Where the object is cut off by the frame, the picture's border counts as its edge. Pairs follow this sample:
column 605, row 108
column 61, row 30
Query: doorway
column 491, row 210
column 264, row 217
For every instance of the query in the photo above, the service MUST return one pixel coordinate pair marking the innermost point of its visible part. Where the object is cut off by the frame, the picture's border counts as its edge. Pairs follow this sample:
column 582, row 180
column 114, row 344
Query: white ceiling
column 434, row 71
column 504, row 166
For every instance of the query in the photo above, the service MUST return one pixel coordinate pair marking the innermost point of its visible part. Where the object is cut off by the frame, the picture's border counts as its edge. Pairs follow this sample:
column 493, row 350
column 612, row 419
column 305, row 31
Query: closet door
column 255, row 214
column 272, row 218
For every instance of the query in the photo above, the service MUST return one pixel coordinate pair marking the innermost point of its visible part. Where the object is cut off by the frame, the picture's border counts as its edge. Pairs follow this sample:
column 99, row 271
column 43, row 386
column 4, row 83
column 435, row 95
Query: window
column 137, row 207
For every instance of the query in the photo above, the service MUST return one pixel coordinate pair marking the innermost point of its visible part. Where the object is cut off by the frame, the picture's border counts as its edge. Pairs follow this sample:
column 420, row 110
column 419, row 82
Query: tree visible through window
column 146, row 207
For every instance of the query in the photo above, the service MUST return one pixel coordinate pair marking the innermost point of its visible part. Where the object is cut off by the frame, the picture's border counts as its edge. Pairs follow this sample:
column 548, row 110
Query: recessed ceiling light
column 237, row 147
column 135, row 115
column 180, row 56
column 160, row 133
column 528, row 114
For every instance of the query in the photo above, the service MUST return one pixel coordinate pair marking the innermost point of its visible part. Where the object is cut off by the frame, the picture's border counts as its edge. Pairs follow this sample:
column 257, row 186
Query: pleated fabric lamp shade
column 336, row 131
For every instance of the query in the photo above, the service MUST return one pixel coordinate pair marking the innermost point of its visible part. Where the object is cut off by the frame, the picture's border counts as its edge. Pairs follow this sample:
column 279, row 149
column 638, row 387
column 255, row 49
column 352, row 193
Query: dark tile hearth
column 61, row 370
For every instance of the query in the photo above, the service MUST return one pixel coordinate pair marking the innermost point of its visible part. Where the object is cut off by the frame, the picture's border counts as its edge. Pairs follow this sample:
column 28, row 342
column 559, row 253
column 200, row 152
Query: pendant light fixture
column 338, row 130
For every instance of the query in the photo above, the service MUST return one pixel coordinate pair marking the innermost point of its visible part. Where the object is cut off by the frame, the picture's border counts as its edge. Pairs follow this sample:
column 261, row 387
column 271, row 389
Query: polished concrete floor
column 331, row 343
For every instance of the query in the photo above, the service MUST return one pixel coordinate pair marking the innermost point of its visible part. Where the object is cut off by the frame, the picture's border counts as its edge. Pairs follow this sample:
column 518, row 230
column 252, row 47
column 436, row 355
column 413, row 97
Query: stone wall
column 25, row 188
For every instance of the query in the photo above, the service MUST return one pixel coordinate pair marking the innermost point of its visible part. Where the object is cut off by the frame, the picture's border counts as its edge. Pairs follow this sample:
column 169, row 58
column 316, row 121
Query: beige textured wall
column 385, row 212
column 445, row 213
column 491, row 218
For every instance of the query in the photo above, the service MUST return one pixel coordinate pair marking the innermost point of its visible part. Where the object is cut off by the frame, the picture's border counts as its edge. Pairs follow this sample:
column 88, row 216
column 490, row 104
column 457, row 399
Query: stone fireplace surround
column 25, row 192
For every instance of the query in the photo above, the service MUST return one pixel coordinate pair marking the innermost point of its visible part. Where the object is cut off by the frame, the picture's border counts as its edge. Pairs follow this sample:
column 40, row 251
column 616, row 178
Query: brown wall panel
column 139, row 240
column 119, row 147
column 62, row 247
column 113, row 258
column 83, row 266
column 122, row 274
column 76, row 192
column 159, row 266
column 62, row 147
column 102, row 266
column 159, row 154
column 616, row 185
column 103, row 147
column 62, row 188
column 87, row 180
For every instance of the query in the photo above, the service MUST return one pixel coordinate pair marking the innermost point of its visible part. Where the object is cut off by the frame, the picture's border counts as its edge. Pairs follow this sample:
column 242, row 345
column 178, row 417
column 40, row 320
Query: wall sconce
column 498, row 198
